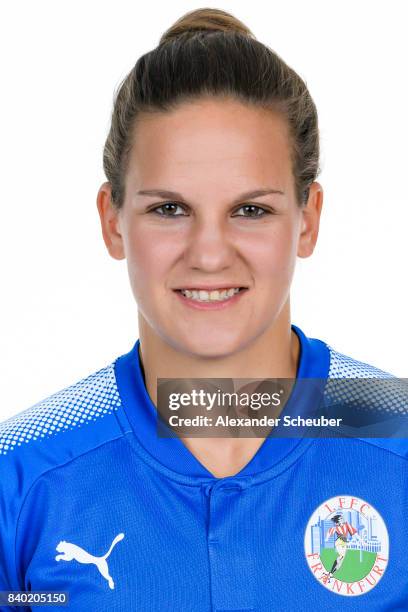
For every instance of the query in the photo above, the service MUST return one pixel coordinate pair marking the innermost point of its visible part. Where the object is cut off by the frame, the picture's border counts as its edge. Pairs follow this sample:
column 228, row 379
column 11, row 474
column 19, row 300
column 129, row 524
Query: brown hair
column 208, row 52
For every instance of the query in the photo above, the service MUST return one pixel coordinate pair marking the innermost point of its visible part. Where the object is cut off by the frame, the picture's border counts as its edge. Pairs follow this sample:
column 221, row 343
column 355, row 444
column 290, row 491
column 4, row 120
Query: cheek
column 149, row 258
column 273, row 253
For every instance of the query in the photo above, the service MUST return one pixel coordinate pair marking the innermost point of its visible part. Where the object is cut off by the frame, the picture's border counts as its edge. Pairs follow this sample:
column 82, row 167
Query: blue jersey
column 94, row 504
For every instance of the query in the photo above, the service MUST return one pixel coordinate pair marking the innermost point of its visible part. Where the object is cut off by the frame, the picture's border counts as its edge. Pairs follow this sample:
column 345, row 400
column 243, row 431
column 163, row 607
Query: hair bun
column 205, row 19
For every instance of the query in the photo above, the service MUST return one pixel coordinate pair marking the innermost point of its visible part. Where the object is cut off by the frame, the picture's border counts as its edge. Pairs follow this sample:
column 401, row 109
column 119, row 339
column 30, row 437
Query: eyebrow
column 162, row 193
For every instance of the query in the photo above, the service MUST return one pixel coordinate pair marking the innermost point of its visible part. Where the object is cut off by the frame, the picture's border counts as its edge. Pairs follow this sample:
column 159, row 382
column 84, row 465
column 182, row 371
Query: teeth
column 210, row 296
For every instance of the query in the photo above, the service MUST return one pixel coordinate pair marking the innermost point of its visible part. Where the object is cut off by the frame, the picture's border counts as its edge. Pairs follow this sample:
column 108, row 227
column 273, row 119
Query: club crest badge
column 347, row 545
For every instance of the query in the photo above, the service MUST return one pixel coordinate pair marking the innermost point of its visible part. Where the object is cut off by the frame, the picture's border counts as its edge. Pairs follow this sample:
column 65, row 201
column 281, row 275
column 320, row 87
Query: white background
column 67, row 307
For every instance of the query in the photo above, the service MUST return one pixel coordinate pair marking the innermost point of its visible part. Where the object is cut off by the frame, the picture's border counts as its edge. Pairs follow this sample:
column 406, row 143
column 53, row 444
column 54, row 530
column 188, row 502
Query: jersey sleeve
column 51, row 433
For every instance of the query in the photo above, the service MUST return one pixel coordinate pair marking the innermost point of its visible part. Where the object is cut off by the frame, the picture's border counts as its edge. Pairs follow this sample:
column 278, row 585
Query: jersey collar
column 171, row 454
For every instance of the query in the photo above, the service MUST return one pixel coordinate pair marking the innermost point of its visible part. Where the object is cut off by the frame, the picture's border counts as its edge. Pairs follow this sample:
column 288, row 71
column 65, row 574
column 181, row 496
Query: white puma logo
column 72, row 551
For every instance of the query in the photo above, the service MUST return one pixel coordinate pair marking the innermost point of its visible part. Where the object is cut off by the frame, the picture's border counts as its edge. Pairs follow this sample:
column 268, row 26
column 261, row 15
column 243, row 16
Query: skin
column 211, row 151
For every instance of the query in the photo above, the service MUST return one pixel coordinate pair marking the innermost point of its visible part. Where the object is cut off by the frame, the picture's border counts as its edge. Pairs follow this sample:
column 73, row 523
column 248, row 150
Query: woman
column 211, row 161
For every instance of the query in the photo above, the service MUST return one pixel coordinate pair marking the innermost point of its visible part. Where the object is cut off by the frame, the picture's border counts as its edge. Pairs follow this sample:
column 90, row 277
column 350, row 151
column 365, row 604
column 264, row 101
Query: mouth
column 211, row 295
column 210, row 299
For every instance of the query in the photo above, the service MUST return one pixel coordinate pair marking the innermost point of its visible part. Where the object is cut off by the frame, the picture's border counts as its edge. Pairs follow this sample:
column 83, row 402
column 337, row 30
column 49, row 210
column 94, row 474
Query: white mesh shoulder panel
column 382, row 393
column 87, row 400
column 342, row 366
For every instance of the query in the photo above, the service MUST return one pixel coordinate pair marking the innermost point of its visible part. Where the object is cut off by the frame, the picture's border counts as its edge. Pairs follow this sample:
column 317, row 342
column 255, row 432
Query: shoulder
column 80, row 404
column 344, row 366
column 370, row 395
column 53, row 432
column 57, row 429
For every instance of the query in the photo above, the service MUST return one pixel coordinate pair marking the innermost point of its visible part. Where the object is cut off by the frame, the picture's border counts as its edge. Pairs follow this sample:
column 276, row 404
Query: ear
column 310, row 221
column 110, row 222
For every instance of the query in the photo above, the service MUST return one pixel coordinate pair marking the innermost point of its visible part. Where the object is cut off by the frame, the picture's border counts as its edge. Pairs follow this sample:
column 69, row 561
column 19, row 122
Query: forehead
column 210, row 140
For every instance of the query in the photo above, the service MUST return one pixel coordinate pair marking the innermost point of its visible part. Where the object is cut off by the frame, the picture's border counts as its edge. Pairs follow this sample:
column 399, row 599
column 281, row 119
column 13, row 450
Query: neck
column 274, row 354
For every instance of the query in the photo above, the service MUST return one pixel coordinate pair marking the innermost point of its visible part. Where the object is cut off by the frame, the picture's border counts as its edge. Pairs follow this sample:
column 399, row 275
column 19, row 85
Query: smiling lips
column 209, row 296
column 215, row 298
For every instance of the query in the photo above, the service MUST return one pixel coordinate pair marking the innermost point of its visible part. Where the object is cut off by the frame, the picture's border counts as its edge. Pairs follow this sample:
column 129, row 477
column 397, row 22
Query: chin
column 209, row 346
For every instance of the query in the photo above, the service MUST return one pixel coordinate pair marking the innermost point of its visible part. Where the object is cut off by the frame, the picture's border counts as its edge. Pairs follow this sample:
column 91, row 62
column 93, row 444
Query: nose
column 210, row 246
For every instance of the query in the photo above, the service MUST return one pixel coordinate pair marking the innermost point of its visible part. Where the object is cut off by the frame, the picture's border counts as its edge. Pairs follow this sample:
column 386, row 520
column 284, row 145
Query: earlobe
column 310, row 221
column 109, row 218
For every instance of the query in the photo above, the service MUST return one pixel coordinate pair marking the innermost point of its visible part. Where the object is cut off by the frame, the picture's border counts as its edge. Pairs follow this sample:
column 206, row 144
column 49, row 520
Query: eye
column 168, row 208
column 253, row 210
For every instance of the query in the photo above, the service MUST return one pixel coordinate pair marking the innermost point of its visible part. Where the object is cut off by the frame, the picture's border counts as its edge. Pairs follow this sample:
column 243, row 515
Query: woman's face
column 210, row 202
